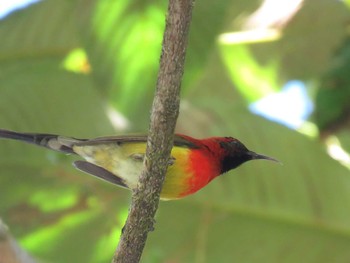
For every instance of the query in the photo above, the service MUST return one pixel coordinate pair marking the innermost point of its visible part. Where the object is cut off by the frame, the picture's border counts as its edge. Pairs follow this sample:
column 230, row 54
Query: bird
column 119, row 159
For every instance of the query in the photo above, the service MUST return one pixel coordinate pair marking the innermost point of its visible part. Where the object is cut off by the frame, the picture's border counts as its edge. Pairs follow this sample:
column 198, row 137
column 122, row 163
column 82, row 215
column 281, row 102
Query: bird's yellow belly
column 175, row 184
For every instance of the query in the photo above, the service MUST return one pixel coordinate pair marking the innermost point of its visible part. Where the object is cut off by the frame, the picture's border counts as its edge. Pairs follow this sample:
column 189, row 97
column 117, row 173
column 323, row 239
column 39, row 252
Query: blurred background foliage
column 88, row 68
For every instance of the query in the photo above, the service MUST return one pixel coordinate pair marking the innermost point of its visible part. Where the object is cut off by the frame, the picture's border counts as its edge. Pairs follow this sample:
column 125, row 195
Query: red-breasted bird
column 119, row 159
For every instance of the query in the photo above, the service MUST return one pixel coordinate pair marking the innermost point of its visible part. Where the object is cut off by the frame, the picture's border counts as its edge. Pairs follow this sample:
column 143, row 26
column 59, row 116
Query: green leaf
column 261, row 212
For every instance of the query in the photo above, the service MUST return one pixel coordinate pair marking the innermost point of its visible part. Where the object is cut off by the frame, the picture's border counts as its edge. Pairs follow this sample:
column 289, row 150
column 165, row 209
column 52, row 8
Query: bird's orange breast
column 192, row 170
column 204, row 168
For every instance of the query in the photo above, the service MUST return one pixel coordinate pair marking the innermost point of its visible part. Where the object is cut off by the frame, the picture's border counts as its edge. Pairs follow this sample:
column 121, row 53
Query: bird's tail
column 51, row 141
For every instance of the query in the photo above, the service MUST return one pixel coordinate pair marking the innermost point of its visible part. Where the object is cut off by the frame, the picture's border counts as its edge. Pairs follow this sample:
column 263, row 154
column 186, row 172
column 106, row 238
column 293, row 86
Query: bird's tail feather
column 51, row 141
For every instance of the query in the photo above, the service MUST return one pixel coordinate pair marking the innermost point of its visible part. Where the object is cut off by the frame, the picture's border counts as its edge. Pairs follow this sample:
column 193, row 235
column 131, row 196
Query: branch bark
column 164, row 114
column 10, row 251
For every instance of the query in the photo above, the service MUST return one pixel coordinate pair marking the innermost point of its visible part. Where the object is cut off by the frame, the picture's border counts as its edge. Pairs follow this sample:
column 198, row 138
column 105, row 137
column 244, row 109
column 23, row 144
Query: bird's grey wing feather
column 113, row 139
column 99, row 172
column 51, row 141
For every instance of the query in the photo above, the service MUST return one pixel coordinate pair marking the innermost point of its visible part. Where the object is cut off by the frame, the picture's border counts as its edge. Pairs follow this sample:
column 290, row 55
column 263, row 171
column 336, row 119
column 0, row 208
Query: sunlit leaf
column 252, row 79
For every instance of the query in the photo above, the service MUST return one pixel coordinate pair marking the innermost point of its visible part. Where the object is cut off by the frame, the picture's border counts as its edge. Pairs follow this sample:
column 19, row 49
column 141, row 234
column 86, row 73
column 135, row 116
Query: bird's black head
column 235, row 154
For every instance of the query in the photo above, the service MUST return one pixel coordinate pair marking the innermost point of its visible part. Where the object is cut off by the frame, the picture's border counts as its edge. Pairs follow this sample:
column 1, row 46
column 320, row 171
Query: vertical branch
column 10, row 251
column 164, row 114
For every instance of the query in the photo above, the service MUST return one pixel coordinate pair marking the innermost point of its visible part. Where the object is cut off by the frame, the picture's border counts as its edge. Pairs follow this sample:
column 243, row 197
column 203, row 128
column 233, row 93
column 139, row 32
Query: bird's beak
column 256, row 156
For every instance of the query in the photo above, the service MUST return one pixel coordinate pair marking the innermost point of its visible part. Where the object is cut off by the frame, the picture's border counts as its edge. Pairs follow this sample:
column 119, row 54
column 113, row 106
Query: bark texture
column 10, row 251
column 164, row 114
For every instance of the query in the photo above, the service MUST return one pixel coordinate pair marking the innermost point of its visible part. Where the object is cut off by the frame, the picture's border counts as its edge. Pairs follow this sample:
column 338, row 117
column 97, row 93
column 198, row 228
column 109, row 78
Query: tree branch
column 10, row 251
column 164, row 114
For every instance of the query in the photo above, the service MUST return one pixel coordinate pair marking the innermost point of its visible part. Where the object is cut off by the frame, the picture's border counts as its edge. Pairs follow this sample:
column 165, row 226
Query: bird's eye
column 236, row 144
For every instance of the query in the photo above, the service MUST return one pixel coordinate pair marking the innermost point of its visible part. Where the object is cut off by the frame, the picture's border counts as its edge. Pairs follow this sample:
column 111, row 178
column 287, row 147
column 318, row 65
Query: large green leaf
column 124, row 48
column 303, row 49
column 39, row 32
column 49, row 208
column 261, row 212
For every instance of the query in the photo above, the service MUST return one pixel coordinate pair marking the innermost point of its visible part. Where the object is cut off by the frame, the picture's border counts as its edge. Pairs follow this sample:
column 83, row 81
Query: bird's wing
column 114, row 139
column 179, row 140
column 99, row 172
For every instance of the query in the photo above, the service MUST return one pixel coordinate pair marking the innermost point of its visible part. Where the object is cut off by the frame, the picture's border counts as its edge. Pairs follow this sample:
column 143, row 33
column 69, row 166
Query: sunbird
column 119, row 159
